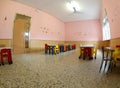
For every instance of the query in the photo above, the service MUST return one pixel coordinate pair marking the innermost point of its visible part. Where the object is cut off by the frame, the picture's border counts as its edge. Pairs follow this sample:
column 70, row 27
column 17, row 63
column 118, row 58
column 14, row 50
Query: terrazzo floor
column 64, row 70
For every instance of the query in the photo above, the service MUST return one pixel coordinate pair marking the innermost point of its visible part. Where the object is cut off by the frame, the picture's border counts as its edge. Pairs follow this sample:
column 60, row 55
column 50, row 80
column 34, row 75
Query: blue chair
column 52, row 47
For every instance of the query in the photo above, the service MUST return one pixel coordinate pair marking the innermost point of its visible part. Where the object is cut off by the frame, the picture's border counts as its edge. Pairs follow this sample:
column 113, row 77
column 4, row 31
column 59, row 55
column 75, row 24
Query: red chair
column 6, row 53
column 117, row 46
column 87, row 53
column 46, row 48
column 66, row 47
column 73, row 46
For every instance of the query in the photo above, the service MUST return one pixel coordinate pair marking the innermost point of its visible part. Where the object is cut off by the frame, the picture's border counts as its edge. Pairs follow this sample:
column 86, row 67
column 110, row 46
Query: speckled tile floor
column 64, row 70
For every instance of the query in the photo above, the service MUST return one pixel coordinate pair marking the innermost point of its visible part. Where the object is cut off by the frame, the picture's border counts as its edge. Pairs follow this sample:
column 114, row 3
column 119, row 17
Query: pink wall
column 83, row 31
column 46, row 27
column 113, row 12
column 43, row 26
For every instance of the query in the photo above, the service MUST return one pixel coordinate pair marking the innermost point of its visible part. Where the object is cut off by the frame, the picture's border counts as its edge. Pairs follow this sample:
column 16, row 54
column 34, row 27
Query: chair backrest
column 46, row 46
column 105, row 53
column 56, row 47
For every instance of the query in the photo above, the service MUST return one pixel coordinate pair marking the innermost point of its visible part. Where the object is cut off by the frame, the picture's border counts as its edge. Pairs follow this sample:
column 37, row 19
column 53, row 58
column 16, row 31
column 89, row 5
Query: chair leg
column 46, row 51
column 105, row 64
column 111, row 65
column 9, row 57
column 2, row 61
column 101, row 65
column 52, row 51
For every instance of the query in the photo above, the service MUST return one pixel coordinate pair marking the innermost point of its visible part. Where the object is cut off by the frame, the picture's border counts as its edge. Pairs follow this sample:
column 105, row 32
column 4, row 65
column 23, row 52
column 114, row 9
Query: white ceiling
column 90, row 9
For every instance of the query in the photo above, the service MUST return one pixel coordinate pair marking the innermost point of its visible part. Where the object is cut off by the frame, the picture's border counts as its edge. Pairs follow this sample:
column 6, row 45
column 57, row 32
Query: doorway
column 21, row 34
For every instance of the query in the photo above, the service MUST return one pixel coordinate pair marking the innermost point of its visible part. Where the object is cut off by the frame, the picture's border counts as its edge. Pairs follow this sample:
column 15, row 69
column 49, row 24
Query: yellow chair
column 56, row 49
column 80, row 52
column 94, row 52
column 116, row 55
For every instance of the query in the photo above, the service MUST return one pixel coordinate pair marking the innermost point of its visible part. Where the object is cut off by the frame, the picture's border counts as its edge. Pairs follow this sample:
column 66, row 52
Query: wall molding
column 38, row 45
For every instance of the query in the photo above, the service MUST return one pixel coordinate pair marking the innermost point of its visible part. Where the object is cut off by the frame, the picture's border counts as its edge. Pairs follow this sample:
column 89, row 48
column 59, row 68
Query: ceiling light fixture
column 73, row 6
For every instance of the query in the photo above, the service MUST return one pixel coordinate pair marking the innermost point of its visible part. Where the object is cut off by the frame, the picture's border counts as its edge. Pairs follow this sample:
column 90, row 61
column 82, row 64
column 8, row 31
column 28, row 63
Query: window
column 106, row 29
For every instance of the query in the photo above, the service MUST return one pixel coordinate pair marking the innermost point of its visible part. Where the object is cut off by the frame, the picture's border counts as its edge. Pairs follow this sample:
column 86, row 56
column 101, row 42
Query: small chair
column 66, row 47
column 46, row 48
column 94, row 52
column 6, row 53
column 73, row 46
column 56, row 49
column 107, row 59
column 50, row 49
column 69, row 47
column 53, row 49
column 80, row 52
column 87, row 52
column 117, row 54
column 62, row 48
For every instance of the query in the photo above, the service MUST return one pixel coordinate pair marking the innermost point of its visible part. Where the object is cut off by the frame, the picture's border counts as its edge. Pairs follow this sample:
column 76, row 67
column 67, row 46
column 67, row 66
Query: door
column 19, row 36
column 21, row 33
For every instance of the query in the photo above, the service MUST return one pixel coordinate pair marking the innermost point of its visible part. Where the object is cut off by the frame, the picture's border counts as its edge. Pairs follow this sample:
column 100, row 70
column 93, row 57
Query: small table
column 87, row 51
